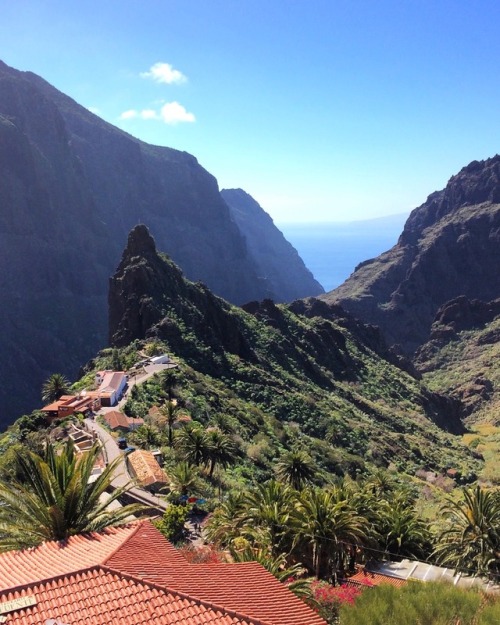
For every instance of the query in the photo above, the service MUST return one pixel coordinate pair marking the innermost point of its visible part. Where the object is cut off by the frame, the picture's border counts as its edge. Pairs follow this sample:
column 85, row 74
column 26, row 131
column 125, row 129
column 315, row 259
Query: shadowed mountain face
column 71, row 188
column 277, row 260
column 450, row 246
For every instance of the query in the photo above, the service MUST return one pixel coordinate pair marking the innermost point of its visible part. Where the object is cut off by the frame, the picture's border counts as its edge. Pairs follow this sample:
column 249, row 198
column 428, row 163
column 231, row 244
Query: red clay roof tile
column 245, row 593
column 101, row 597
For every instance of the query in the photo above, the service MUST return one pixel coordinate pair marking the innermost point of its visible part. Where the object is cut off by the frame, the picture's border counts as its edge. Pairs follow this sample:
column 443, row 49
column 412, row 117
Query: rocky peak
column 140, row 243
column 477, row 183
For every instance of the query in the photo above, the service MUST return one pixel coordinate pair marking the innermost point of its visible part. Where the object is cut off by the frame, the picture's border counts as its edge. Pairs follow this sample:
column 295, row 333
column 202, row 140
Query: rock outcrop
column 450, row 247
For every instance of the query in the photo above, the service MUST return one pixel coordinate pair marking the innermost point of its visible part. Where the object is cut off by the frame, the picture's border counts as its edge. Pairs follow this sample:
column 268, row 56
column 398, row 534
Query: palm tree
column 472, row 539
column 226, row 521
column 296, row 468
column 54, row 499
column 170, row 410
column 54, row 387
column 146, row 436
column 331, row 527
column 169, row 383
column 184, row 480
column 194, row 445
column 402, row 532
column 222, row 450
column 268, row 513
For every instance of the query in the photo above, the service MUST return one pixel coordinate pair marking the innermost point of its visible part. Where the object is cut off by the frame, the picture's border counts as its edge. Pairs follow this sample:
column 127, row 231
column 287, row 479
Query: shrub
column 416, row 603
column 171, row 525
column 329, row 599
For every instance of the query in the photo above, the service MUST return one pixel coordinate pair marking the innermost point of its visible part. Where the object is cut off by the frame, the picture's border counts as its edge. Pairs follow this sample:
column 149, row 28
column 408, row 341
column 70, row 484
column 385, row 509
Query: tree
column 170, row 410
column 171, row 525
column 267, row 515
column 146, row 436
column 53, row 498
column 331, row 527
column 471, row 542
column 221, row 449
column 54, row 387
column 170, row 381
column 194, row 445
column 225, row 524
column 184, row 480
column 402, row 532
column 417, row 603
column 296, row 468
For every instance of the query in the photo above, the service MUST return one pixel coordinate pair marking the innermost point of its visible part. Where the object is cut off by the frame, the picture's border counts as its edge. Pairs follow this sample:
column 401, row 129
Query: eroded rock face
column 450, row 247
column 71, row 188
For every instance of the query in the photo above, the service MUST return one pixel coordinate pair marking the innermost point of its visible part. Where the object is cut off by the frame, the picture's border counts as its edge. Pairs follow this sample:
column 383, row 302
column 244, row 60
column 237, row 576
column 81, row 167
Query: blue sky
column 321, row 110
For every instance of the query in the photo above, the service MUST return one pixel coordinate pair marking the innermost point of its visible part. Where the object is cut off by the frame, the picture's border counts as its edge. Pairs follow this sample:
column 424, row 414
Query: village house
column 133, row 575
column 111, row 386
column 119, row 422
column 143, row 466
column 67, row 405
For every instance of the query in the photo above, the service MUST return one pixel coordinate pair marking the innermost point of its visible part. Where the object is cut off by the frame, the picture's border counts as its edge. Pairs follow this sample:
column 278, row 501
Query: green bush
column 171, row 525
column 416, row 603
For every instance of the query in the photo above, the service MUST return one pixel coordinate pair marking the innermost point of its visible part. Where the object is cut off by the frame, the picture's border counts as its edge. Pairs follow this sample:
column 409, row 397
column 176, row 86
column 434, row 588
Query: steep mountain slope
column 461, row 357
column 306, row 368
column 450, row 246
column 277, row 260
column 71, row 188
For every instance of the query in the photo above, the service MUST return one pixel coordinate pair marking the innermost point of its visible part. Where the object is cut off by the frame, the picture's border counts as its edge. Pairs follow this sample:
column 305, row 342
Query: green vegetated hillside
column 280, row 375
column 461, row 357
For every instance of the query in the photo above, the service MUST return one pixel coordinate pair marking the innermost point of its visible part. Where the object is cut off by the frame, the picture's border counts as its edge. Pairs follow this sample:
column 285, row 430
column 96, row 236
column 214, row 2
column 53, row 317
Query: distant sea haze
column 332, row 250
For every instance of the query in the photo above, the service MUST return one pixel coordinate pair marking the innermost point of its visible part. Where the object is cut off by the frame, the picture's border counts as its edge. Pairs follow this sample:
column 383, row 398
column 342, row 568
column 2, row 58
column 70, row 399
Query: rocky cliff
column 277, row 260
column 72, row 187
column 450, row 246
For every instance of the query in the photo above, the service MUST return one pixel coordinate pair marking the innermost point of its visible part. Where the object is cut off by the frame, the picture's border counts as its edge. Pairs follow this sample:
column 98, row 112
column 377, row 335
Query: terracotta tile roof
column 118, row 576
column 146, row 468
column 244, row 587
column 116, row 419
column 51, row 559
column 101, row 597
column 144, row 550
column 367, row 578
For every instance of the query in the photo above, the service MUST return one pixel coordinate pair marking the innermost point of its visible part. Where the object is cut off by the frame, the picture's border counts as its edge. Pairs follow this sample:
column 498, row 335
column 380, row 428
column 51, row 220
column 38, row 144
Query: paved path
column 121, row 476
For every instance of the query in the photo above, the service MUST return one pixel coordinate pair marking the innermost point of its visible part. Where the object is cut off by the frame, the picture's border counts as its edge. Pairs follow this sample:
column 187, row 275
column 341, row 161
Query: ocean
column 332, row 250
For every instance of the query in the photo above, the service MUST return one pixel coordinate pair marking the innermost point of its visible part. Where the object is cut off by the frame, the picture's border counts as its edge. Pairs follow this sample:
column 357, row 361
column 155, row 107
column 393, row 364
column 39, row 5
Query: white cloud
column 174, row 113
column 129, row 114
column 164, row 73
column 94, row 109
column 171, row 113
column 149, row 114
